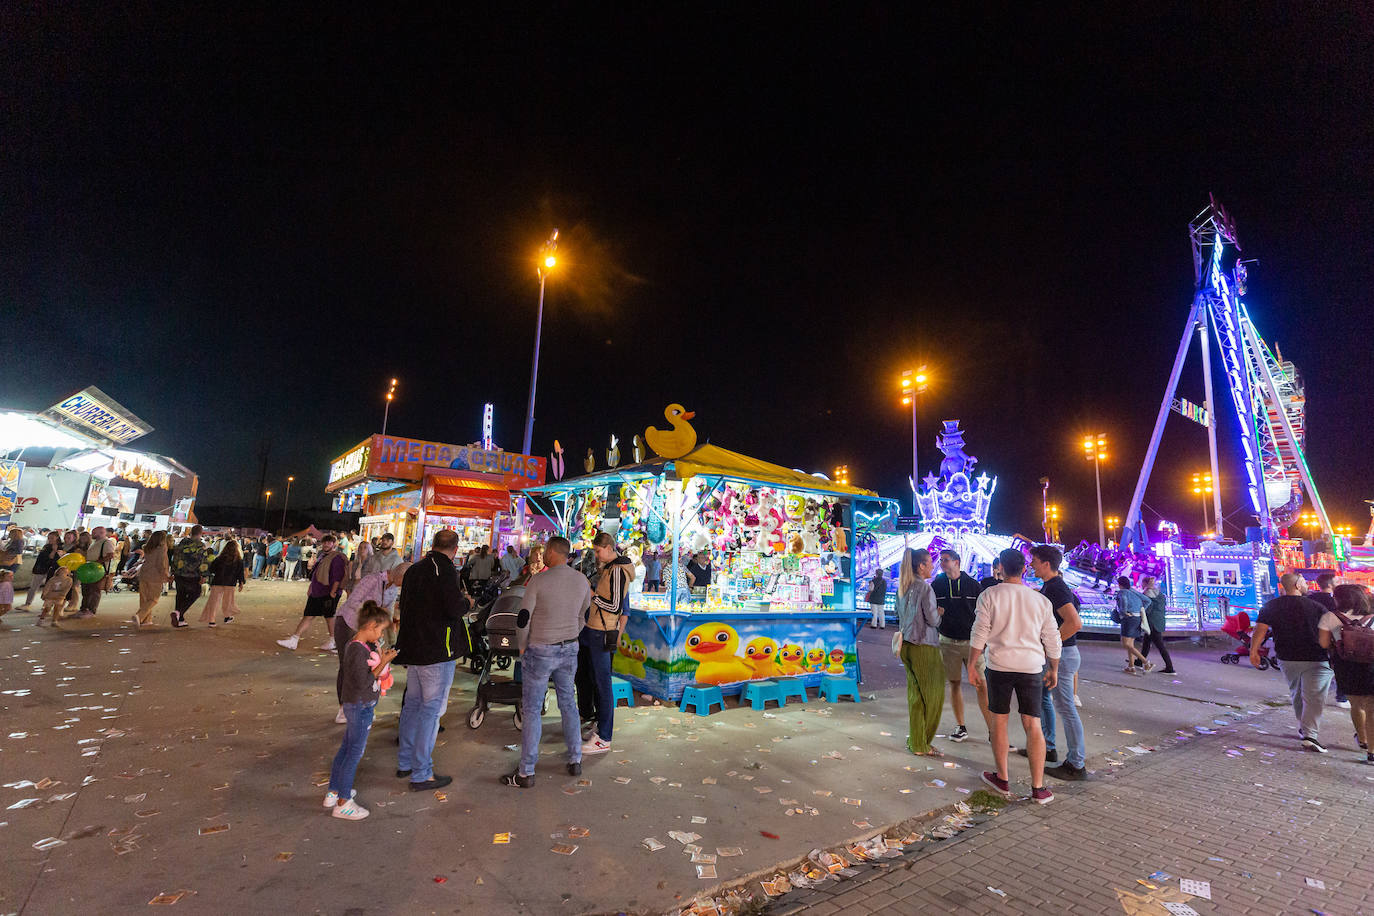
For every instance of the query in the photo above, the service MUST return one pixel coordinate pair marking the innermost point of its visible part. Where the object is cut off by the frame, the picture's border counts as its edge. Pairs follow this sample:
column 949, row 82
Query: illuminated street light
column 1202, row 487
column 1113, row 523
column 914, row 382
column 549, row 261
column 266, row 501
column 1052, row 523
column 842, row 474
column 286, row 501
column 1095, row 450
column 386, row 412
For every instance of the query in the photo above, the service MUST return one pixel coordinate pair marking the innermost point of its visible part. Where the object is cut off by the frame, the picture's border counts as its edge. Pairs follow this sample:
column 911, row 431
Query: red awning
column 446, row 494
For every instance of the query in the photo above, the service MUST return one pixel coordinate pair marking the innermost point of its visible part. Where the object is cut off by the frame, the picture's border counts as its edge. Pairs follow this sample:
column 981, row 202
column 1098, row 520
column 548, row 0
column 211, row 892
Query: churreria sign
column 94, row 412
column 355, row 462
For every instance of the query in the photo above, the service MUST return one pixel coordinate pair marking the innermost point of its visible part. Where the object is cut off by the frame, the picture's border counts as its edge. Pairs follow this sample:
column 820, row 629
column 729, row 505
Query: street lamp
column 1112, row 524
column 913, row 383
column 1202, row 486
column 1052, row 523
column 1309, row 520
column 548, row 260
column 266, row 501
column 842, row 474
column 286, row 500
column 386, row 412
column 1095, row 450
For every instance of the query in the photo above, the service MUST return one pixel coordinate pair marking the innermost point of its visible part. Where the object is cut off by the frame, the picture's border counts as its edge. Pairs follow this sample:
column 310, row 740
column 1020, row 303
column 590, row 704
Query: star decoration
column 982, row 481
column 930, row 480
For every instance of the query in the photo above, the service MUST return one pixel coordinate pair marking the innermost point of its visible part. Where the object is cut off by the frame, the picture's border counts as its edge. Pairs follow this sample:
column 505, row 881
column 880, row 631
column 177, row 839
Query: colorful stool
column 701, row 697
column 621, row 690
column 758, row 693
column 833, row 687
column 792, row 687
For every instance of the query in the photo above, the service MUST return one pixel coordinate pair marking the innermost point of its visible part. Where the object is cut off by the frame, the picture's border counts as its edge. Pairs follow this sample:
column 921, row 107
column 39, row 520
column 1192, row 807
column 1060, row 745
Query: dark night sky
column 240, row 225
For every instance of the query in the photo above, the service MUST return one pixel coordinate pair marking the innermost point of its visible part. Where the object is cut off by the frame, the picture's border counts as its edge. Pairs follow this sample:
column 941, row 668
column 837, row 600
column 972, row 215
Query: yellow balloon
column 72, row 560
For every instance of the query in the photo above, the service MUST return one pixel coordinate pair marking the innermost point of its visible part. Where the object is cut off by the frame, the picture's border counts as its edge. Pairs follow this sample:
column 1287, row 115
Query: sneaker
column 1369, row 758
column 1129, row 669
column 212, row 624
column 1149, row 666
column 1042, row 795
column 327, row 647
column 1312, row 744
column 1077, row 702
column 1050, row 756
column 997, row 783
column 289, row 642
column 342, row 719
column 1067, row 772
column 434, row 782
column 351, row 811
column 331, row 798
column 179, row 620
column 228, row 620
column 596, row 746
column 575, row 769
column 85, row 615
column 959, row 734
column 1168, row 671
column 518, row 781
column 1342, row 704
column 402, row 774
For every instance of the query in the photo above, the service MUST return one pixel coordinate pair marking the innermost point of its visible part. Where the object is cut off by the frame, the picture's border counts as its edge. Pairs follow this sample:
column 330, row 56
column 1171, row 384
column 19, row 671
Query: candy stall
column 769, row 592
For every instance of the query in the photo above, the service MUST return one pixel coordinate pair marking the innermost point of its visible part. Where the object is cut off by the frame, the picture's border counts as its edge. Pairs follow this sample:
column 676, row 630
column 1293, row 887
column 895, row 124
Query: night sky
column 242, row 224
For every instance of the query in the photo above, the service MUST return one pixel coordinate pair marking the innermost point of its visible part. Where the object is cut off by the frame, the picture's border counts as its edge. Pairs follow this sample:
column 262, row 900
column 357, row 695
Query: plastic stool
column 758, row 693
column 792, row 687
column 833, row 687
column 701, row 697
column 621, row 690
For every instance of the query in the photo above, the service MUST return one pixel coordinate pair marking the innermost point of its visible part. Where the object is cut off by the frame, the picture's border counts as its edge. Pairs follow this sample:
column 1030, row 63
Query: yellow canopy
column 712, row 460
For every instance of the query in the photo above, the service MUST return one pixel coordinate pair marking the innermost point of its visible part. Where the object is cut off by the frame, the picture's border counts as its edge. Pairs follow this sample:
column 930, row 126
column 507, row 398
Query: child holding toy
column 55, row 593
column 365, row 675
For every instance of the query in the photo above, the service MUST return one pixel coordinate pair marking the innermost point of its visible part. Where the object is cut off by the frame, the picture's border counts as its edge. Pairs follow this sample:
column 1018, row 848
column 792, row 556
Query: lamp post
column 842, row 474
column 1052, row 523
column 1112, row 524
column 1095, row 450
column 286, row 501
column 548, row 260
column 386, row 411
column 266, row 501
column 913, row 383
column 1308, row 520
column 1202, row 487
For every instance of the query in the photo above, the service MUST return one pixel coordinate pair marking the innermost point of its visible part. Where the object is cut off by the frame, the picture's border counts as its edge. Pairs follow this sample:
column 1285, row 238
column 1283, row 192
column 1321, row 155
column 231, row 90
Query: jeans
column 1058, row 706
column 345, row 766
column 537, row 665
column 601, row 677
column 90, row 597
column 1307, row 684
column 420, row 713
column 259, row 561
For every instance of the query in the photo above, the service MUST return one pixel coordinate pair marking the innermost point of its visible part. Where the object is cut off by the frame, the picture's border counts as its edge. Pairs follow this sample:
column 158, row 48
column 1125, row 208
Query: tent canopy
column 311, row 532
column 710, row 461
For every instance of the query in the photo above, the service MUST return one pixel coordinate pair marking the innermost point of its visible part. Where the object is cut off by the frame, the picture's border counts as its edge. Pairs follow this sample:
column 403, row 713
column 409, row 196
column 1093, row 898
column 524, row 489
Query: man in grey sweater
column 556, row 600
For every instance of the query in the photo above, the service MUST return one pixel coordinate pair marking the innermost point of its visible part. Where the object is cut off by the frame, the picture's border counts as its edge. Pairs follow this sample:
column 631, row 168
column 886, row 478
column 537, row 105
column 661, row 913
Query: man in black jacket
column 431, row 639
column 956, row 594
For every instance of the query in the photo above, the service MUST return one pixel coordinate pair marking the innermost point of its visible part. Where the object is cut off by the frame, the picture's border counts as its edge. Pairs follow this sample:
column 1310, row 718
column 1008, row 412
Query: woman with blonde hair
column 918, row 618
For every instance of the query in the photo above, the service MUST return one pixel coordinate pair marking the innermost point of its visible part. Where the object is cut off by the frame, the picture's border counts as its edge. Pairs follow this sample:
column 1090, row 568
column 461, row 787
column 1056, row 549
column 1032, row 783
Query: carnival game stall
column 781, row 601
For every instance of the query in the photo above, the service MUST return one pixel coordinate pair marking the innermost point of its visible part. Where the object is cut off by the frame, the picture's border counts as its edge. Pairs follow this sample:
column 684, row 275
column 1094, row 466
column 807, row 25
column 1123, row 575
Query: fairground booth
column 781, row 601
column 71, row 465
column 413, row 488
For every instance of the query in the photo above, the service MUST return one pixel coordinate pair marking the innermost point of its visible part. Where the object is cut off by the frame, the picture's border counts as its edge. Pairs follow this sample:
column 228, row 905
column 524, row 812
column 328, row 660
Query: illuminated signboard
column 1195, row 412
column 94, row 412
column 355, row 462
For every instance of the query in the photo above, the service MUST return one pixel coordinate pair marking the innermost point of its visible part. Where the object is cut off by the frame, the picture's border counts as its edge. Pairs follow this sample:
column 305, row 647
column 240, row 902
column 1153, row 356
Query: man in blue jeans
column 1057, row 704
column 556, row 601
column 431, row 639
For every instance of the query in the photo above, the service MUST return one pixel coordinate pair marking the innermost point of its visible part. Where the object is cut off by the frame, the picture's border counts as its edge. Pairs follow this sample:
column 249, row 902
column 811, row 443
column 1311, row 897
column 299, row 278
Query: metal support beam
column 1205, row 341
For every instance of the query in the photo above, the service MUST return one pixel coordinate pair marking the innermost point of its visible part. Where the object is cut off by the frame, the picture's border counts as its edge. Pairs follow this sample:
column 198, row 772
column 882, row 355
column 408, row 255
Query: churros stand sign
column 96, row 414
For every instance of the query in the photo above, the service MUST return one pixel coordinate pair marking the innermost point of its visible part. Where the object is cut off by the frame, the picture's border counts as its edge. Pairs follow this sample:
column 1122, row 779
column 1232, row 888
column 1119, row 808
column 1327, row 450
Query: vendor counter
column 662, row 651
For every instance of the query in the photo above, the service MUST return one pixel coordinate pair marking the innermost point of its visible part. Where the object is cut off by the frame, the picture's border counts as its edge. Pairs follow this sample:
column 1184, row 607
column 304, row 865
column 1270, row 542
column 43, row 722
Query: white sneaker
column 596, row 746
column 327, row 647
column 350, row 811
column 289, row 642
column 332, row 798
column 341, row 718
column 1342, row 704
column 1077, row 701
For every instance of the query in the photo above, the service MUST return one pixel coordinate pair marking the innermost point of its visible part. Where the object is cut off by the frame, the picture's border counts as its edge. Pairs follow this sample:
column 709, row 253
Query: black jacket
column 432, row 605
column 224, row 571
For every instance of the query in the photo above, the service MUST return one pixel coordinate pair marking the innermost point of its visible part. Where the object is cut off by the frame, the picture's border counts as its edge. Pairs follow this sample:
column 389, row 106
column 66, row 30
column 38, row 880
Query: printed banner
column 11, row 472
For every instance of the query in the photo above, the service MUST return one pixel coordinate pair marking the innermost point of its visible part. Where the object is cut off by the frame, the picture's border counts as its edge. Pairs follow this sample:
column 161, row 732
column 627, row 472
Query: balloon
column 72, row 560
column 90, row 573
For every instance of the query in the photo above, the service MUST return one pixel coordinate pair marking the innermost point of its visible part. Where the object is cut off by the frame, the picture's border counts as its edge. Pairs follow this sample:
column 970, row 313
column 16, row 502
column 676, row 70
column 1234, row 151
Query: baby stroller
column 1237, row 626
column 477, row 624
column 129, row 577
column 498, row 628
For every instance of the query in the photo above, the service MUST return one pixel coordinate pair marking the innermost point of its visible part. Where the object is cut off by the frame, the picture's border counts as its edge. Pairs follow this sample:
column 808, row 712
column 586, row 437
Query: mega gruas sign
column 399, row 458
column 95, row 413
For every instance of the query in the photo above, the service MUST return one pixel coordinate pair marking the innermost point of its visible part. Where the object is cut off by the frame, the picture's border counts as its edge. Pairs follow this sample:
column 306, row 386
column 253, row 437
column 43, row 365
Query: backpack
column 1357, row 640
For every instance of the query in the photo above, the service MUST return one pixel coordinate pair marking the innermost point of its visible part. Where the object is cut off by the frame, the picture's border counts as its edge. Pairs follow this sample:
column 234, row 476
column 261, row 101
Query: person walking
column 293, row 558
column 1347, row 633
column 1293, row 619
column 226, row 576
column 1057, row 704
column 512, row 562
column 918, row 618
column 384, row 557
column 1130, row 607
column 432, row 637
column 101, row 552
column 1325, row 596
column 1015, row 627
column 483, row 565
column 43, row 565
column 1156, row 619
column 557, row 600
column 877, row 599
column 381, row 588
column 190, row 561
column 606, row 619
column 956, row 595
column 321, row 598
column 153, row 577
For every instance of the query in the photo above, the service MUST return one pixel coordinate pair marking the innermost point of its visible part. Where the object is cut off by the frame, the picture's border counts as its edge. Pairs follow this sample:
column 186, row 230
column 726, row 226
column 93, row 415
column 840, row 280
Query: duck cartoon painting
column 815, row 660
column 678, row 441
column 836, row 662
column 624, row 655
column 762, row 653
column 791, row 659
column 638, row 654
column 712, row 646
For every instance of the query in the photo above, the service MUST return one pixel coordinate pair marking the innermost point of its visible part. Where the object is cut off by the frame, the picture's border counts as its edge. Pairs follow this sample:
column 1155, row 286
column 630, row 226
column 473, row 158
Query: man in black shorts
column 1015, row 626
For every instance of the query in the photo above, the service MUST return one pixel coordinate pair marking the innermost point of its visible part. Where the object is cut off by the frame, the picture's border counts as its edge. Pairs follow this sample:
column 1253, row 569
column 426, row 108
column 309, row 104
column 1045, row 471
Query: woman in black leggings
column 1154, row 614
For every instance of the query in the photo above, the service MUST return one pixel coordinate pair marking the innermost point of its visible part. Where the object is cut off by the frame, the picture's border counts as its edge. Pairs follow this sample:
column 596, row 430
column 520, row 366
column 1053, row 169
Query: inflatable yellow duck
column 713, row 647
column 762, row 654
column 676, row 442
column 790, row 660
